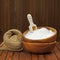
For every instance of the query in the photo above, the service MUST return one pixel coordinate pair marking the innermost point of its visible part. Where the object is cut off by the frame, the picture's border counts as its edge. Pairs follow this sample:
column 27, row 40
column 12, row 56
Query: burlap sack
column 12, row 40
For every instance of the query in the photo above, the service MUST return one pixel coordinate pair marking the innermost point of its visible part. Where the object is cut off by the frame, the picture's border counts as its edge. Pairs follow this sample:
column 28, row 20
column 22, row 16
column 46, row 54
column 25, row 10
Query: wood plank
column 1, row 53
column 9, row 55
column 13, row 21
column 6, row 15
column 41, row 57
column 47, row 56
column 43, row 12
column 15, row 56
column 57, row 52
column 58, row 45
column 28, row 56
column 3, row 56
column 22, row 56
column 34, row 57
column 19, row 14
column 53, row 56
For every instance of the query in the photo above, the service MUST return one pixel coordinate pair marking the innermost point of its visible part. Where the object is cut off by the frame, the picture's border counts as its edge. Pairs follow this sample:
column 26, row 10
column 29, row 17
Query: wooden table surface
column 9, row 55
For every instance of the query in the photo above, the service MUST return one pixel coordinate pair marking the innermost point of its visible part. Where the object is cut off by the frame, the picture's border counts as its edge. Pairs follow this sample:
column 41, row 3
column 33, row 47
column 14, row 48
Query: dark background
column 13, row 14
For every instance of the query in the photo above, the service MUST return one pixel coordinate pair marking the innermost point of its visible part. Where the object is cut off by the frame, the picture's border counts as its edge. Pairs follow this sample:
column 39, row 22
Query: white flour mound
column 39, row 34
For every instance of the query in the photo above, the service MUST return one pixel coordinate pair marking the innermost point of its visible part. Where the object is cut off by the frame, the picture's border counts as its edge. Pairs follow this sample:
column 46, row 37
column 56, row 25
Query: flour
column 39, row 34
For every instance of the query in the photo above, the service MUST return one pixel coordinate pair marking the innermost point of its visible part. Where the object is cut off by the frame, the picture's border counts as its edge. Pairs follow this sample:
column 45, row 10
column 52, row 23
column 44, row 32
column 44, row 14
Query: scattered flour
column 39, row 34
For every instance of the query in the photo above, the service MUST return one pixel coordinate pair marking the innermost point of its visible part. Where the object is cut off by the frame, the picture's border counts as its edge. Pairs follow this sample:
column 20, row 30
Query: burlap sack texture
column 12, row 40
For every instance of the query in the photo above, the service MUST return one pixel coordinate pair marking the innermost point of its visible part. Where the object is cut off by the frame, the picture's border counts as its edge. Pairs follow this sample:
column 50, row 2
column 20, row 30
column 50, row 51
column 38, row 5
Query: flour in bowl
column 39, row 34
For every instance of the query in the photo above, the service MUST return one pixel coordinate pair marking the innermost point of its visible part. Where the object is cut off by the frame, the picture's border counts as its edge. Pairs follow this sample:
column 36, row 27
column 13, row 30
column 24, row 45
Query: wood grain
column 13, row 14
column 10, row 55
column 3, row 55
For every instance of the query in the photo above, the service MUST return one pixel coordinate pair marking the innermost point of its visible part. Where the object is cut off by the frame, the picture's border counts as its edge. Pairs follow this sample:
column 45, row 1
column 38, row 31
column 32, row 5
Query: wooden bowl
column 45, row 40
column 38, row 47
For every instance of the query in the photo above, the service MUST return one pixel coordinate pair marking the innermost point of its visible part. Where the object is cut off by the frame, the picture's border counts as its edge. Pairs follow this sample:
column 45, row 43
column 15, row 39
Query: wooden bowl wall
column 39, row 47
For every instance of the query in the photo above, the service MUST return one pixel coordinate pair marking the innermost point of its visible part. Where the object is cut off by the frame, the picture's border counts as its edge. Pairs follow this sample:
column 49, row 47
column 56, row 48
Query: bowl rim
column 50, row 28
column 40, row 43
